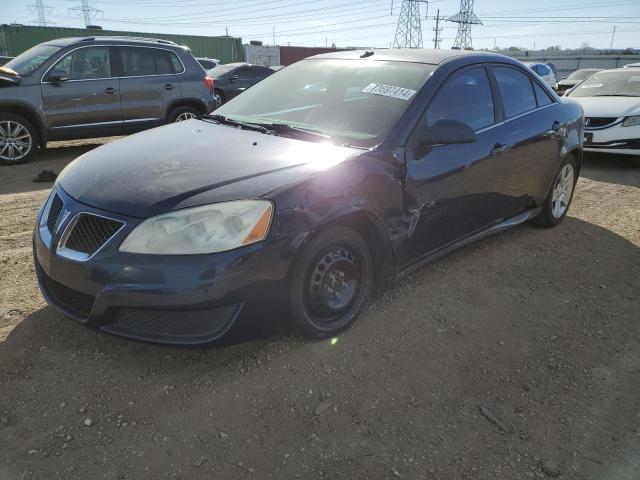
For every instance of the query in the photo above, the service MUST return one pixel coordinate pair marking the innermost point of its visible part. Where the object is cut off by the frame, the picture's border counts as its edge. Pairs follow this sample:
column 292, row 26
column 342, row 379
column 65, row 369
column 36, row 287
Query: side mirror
column 57, row 75
column 448, row 132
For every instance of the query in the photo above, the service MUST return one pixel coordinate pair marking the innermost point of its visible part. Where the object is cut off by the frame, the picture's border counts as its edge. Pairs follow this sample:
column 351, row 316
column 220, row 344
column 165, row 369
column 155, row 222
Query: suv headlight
column 206, row 229
column 631, row 121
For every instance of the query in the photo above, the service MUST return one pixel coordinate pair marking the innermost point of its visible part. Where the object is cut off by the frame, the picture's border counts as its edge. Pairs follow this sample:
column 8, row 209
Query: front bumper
column 614, row 139
column 173, row 299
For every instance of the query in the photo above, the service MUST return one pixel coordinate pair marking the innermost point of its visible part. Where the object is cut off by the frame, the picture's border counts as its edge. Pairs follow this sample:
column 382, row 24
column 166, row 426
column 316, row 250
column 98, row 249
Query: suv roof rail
column 128, row 37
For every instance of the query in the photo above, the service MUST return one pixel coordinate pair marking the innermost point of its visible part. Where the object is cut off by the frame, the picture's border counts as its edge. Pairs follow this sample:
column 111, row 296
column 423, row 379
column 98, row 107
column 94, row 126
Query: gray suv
column 73, row 88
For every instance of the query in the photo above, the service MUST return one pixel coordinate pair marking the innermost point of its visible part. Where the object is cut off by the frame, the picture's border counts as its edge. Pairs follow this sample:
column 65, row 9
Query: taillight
column 208, row 81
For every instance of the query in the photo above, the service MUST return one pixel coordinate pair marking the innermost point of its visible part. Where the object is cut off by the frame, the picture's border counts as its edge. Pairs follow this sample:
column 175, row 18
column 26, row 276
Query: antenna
column 464, row 18
column 42, row 11
column 86, row 11
column 409, row 29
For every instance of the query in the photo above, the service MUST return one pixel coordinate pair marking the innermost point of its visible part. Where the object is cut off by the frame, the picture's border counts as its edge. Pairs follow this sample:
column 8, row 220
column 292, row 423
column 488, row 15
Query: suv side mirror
column 57, row 75
column 448, row 132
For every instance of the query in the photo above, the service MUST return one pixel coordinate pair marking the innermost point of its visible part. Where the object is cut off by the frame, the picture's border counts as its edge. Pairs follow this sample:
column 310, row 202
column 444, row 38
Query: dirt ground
column 517, row 357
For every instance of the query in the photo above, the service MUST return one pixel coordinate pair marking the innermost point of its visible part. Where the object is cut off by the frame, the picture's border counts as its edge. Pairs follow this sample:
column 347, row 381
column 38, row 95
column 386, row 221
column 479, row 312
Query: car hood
column 609, row 106
column 191, row 163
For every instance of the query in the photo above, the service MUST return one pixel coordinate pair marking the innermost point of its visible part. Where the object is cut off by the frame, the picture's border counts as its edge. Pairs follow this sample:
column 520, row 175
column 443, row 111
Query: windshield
column 612, row 83
column 354, row 102
column 581, row 74
column 28, row 62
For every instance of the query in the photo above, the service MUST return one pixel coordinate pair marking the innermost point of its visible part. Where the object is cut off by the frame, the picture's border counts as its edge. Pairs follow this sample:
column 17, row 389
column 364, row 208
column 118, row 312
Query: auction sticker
column 389, row 91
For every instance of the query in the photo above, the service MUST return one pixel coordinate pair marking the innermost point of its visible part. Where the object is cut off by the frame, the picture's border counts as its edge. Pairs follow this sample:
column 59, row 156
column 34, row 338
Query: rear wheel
column 559, row 198
column 181, row 114
column 218, row 97
column 330, row 283
column 18, row 139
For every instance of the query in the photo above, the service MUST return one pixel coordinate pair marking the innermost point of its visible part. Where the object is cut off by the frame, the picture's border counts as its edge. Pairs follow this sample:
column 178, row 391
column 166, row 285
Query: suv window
column 87, row 63
column 465, row 97
column 542, row 96
column 516, row 91
column 138, row 61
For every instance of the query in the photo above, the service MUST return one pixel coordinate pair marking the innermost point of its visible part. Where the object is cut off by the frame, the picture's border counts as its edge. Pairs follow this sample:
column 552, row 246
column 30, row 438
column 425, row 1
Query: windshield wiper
column 616, row 95
column 288, row 128
column 236, row 123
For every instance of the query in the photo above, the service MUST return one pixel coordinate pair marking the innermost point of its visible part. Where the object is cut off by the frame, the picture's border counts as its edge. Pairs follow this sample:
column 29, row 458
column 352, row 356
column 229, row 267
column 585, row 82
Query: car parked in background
column 544, row 72
column 208, row 63
column 574, row 79
column 96, row 86
column 611, row 103
column 305, row 204
column 231, row 79
column 632, row 65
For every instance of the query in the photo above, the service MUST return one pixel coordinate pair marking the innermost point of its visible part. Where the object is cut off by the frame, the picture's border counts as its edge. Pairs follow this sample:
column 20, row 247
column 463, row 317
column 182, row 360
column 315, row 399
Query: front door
column 150, row 83
column 90, row 99
column 454, row 190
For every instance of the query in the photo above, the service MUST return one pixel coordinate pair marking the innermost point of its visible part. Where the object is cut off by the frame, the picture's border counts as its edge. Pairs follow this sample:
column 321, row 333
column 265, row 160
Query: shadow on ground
column 620, row 169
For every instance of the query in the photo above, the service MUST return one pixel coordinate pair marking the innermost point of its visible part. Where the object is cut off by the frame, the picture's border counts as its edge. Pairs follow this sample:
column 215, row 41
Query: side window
column 139, row 61
column 263, row 71
column 246, row 73
column 516, row 91
column 175, row 61
column 87, row 63
column 542, row 96
column 543, row 70
column 465, row 97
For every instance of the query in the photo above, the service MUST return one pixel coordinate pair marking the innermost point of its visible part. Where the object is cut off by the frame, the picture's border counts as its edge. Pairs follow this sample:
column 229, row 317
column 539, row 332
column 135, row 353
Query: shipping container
column 15, row 39
column 266, row 55
column 289, row 55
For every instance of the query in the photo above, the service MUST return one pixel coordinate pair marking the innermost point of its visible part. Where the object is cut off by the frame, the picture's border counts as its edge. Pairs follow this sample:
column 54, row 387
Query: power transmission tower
column 437, row 30
column 42, row 11
column 409, row 29
column 464, row 18
column 86, row 11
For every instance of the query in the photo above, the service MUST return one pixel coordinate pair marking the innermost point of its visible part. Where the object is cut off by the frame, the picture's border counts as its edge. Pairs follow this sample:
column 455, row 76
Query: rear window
column 139, row 61
column 28, row 62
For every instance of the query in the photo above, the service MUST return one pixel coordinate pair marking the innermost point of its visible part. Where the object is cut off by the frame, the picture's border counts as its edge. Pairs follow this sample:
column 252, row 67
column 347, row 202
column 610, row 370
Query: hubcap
column 15, row 141
column 218, row 99
column 185, row 116
column 562, row 190
column 334, row 284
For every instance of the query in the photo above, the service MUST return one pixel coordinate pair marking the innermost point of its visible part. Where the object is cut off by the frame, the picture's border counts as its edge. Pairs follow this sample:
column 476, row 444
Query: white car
column 632, row 65
column 611, row 103
column 544, row 72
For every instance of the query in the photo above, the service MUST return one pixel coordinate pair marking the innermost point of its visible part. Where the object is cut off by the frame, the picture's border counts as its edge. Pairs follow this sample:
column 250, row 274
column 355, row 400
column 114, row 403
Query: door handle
column 168, row 86
column 499, row 148
column 109, row 90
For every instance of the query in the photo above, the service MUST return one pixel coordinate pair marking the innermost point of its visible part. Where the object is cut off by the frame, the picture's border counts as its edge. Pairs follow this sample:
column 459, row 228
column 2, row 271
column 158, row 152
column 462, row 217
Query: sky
column 530, row 24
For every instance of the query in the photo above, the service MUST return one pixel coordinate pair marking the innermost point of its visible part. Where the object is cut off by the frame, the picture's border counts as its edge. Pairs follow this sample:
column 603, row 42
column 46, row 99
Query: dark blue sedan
column 305, row 194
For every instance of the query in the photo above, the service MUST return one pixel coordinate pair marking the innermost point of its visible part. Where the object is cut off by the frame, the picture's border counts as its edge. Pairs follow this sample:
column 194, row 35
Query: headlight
column 207, row 229
column 631, row 121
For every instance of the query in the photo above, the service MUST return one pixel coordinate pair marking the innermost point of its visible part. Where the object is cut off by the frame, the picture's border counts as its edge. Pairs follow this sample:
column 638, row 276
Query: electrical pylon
column 465, row 18
column 409, row 29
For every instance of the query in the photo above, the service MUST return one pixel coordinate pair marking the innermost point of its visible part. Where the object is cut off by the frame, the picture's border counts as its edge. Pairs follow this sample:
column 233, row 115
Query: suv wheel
column 181, row 114
column 18, row 139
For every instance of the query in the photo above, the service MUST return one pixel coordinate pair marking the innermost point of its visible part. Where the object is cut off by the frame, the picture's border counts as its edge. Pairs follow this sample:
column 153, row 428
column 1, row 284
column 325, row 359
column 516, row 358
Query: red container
column 289, row 55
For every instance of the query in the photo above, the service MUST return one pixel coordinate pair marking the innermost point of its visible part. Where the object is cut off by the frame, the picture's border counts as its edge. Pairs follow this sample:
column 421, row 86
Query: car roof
column 415, row 55
column 63, row 42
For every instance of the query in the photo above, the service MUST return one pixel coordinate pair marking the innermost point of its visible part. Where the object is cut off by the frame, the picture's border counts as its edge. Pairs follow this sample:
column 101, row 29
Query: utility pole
column 465, row 18
column 437, row 30
column 41, row 10
column 86, row 11
column 409, row 29
column 274, row 35
column 612, row 37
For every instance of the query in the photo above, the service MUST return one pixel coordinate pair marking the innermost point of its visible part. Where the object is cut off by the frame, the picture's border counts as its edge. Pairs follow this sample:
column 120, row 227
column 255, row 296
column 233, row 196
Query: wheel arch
column 186, row 102
column 29, row 114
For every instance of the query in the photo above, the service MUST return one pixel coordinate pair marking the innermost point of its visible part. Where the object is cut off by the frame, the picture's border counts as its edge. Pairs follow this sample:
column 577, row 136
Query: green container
column 15, row 39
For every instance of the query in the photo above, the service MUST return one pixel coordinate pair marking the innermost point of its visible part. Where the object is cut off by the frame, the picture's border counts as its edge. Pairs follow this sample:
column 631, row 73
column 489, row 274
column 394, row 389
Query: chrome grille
column 54, row 213
column 90, row 232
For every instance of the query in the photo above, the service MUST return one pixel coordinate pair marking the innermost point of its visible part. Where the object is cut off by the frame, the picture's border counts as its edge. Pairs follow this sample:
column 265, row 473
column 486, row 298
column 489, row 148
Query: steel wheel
column 15, row 141
column 217, row 98
column 185, row 116
column 333, row 285
column 562, row 190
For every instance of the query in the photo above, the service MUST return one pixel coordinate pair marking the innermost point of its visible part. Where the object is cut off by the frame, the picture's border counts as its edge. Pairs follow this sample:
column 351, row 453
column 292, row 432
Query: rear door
column 530, row 137
column 150, row 83
column 90, row 99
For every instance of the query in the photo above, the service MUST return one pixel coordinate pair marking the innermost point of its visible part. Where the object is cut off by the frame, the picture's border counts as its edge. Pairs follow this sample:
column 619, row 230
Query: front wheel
column 559, row 198
column 330, row 283
column 18, row 139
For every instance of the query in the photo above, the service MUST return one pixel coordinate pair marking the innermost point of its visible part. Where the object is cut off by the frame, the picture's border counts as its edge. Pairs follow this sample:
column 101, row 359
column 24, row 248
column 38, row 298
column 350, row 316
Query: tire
column 557, row 203
column 330, row 283
column 218, row 96
column 180, row 114
column 19, row 139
